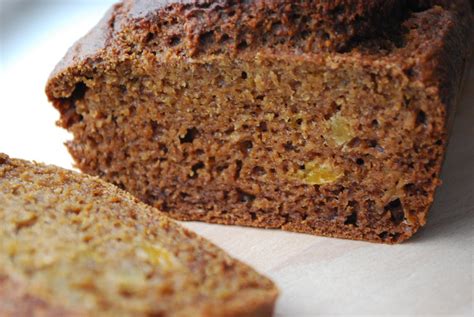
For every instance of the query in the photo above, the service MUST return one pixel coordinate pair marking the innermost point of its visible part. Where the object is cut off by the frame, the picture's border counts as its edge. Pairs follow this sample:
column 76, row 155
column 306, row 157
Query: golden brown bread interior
column 73, row 245
column 236, row 112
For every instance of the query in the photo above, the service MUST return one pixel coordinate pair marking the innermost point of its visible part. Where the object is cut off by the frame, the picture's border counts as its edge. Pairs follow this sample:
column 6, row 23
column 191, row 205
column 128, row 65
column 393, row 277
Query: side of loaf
column 215, row 113
column 73, row 245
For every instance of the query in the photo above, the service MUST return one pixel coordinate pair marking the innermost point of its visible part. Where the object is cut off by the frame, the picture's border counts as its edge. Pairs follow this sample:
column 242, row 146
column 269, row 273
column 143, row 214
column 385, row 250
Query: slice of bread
column 73, row 245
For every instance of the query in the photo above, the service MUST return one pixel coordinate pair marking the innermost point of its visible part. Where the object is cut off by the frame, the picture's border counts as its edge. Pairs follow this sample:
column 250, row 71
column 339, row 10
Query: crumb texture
column 73, row 245
column 324, row 117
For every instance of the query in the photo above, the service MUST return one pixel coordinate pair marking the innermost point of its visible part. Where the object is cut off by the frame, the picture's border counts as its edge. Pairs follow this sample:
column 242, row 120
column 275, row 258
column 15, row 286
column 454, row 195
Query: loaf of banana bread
column 324, row 117
column 74, row 245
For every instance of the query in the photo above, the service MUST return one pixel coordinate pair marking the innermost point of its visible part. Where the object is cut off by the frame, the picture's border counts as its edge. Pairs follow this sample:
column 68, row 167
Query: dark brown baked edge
column 346, row 20
column 193, row 27
column 104, row 44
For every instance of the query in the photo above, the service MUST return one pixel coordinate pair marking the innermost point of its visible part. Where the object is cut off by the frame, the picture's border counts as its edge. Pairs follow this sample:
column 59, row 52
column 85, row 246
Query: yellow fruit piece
column 319, row 173
column 341, row 131
column 157, row 255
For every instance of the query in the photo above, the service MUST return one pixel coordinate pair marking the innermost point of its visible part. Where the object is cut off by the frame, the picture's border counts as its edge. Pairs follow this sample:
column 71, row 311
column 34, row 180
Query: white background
column 431, row 274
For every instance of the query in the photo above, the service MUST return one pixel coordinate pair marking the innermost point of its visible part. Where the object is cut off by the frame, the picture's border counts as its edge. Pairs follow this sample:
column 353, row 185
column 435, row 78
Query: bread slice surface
column 73, row 245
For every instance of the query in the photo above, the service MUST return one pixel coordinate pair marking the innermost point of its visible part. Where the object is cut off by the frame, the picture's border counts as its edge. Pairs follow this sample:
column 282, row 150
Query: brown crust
column 202, row 26
column 133, row 20
column 428, row 49
column 331, row 24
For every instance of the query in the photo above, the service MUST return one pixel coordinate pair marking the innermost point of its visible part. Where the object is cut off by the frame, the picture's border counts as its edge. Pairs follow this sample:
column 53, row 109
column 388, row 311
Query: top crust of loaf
column 322, row 24
column 67, row 207
column 434, row 56
column 192, row 27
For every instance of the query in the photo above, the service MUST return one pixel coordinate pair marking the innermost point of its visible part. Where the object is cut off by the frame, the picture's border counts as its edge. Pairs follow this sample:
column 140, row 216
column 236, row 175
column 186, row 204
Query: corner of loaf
column 270, row 114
